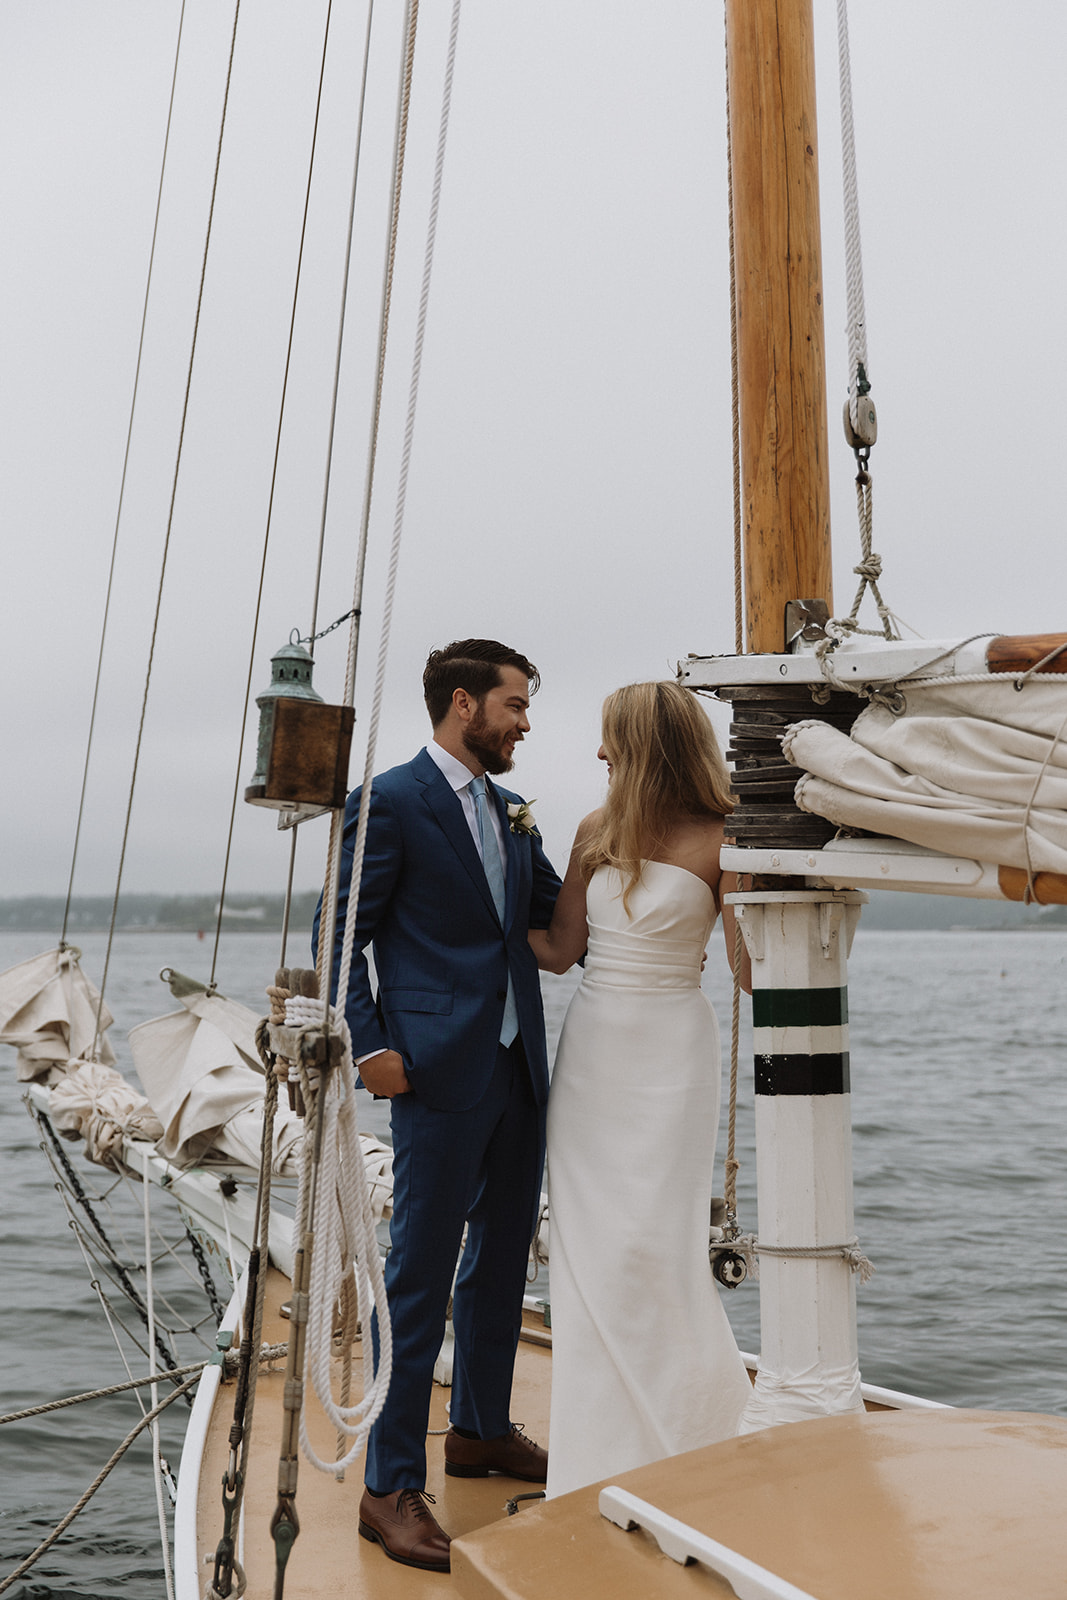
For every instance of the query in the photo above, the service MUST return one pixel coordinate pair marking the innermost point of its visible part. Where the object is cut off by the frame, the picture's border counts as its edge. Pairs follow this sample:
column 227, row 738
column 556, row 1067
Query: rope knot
column 870, row 568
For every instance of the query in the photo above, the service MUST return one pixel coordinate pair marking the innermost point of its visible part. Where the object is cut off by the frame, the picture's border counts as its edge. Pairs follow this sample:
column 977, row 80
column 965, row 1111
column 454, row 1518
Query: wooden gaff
column 784, row 475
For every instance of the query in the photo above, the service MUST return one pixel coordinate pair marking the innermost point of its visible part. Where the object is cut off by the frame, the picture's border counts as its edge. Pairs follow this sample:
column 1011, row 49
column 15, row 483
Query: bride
column 644, row 1364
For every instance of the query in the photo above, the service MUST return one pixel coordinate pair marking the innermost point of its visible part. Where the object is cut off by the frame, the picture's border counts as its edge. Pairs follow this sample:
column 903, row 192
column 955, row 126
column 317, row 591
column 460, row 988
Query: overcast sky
column 570, row 483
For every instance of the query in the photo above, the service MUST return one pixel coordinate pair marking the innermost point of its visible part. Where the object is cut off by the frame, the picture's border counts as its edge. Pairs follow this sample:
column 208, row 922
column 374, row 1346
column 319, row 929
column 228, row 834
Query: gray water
column 959, row 1064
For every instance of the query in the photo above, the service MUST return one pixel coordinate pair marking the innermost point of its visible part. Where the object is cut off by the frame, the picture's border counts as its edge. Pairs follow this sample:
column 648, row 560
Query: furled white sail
column 196, row 1068
column 968, row 769
column 48, row 1011
column 95, row 1103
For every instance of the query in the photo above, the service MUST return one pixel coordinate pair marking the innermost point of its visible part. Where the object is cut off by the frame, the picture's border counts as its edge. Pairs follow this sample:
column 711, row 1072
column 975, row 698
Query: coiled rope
column 346, row 1242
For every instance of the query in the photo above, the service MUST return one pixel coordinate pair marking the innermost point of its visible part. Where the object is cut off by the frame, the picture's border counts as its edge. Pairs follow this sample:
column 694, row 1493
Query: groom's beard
column 488, row 747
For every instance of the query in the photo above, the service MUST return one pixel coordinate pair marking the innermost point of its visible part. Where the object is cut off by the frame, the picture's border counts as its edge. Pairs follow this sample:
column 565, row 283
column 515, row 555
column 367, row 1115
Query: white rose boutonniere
column 521, row 817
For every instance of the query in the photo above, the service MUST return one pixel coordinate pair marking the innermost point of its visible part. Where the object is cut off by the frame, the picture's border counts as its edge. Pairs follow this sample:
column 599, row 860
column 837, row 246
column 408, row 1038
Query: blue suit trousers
column 481, row 1166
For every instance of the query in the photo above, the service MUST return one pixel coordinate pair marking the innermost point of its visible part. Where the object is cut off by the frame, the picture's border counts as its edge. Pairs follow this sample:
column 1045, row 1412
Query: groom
column 453, row 877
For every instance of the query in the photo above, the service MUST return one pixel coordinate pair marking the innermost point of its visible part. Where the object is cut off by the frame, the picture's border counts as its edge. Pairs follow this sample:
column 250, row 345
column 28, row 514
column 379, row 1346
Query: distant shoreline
column 156, row 913
column 163, row 913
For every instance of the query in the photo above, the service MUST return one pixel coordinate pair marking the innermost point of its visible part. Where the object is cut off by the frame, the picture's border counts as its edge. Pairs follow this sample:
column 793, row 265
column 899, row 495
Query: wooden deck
column 893, row 1505
column 329, row 1558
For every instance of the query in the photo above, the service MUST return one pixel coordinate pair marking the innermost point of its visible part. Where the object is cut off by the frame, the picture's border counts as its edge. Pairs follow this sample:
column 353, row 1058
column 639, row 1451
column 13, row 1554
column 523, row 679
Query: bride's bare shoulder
column 694, row 844
column 588, row 826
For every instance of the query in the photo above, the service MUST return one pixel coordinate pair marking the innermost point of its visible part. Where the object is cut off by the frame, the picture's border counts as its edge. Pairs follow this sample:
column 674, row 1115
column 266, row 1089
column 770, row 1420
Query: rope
column 401, row 503
column 340, row 336
column 856, row 311
column 123, row 1276
column 122, row 485
column 849, row 1252
column 1030, row 893
column 170, row 525
column 732, row 1165
column 233, row 1482
column 61, row 1526
column 271, row 1352
column 157, row 1455
column 860, row 429
column 331, row 890
column 346, row 1243
column 270, row 504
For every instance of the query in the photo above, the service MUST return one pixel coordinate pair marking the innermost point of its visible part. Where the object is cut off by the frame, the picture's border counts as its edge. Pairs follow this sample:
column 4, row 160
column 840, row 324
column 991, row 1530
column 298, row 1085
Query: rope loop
column 849, row 1252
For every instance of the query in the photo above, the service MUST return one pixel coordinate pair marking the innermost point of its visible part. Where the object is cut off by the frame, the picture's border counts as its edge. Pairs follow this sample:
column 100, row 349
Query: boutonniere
column 521, row 817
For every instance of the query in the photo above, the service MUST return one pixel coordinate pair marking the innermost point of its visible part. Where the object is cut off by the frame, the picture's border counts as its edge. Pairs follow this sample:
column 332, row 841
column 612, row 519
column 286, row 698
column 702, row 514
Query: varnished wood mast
column 784, row 475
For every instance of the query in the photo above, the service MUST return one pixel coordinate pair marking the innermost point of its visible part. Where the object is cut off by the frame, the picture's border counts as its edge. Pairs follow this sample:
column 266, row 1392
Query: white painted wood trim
column 684, row 1544
column 188, row 1579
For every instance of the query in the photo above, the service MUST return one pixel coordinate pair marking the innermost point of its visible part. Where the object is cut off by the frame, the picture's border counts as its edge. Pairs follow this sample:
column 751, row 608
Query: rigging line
column 332, row 430
column 401, row 500
column 65, row 1522
column 857, row 316
column 157, row 1454
column 170, row 525
column 341, row 327
column 122, row 484
column 288, row 902
column 331, row 888
column 270, row 502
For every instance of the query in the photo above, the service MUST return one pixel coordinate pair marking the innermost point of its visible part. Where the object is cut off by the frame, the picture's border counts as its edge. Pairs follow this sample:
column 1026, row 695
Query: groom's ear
column 464, row 704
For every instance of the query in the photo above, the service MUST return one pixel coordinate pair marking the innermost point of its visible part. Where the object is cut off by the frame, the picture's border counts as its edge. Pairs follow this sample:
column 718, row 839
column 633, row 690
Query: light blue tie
column 494, row 872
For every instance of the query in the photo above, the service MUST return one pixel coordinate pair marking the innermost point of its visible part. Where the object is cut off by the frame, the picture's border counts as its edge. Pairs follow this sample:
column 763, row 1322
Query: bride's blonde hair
column 667, row 767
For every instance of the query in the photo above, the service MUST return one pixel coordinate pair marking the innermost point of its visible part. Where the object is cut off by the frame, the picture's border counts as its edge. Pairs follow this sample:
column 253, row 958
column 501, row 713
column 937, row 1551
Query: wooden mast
column 784, row 476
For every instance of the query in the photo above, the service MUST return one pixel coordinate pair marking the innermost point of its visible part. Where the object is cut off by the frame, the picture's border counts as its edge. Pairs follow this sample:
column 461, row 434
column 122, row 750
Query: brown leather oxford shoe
column 406, row 1528
column 513, row 1455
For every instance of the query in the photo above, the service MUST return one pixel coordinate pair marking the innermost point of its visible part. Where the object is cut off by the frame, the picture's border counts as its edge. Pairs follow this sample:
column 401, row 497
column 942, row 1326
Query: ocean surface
column 959, row 1101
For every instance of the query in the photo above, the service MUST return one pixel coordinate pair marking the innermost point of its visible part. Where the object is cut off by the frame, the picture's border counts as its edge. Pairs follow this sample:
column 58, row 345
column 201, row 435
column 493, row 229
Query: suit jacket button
column 502, row 994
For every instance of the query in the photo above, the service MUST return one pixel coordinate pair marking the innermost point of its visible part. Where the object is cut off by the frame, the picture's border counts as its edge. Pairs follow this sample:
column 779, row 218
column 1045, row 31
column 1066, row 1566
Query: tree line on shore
column 146, row 912
column 194, row 913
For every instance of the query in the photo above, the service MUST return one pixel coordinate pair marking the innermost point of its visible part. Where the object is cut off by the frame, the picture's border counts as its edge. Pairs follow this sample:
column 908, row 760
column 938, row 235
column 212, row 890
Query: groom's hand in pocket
column 384, row 1075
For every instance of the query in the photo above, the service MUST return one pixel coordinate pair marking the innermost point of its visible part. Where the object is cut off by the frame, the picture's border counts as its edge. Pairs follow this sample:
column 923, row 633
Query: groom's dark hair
column 471, row 664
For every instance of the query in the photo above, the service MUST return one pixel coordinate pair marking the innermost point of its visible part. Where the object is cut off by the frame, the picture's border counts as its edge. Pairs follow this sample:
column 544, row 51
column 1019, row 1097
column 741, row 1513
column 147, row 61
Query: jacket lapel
column 448, row 810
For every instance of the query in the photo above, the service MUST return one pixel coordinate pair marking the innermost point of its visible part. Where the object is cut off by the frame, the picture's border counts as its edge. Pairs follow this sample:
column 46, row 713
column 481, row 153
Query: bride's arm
column 728, row 885
column 559, row 946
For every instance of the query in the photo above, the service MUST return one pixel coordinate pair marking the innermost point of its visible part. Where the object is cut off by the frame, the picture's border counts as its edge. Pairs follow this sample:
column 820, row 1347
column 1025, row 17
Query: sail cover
column 48, row 1012
column 200, row 1070
column 970, row 769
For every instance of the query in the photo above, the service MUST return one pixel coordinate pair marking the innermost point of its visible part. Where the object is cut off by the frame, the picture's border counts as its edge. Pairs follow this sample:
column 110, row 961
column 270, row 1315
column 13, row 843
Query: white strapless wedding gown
column 644, row 1363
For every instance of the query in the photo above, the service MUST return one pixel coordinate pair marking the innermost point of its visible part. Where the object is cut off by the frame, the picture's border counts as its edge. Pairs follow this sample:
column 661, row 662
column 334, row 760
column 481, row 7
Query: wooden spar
column 784, row 474
column 1019, row 653
column 1046, row 888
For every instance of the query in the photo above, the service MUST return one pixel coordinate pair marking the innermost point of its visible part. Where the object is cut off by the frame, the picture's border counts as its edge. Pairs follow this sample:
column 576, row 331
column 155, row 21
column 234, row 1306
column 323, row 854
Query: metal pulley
column 304, row 744
column 729, row 1268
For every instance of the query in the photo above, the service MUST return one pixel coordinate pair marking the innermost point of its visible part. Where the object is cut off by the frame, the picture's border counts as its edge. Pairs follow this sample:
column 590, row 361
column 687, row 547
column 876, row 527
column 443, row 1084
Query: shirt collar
column 455, row 773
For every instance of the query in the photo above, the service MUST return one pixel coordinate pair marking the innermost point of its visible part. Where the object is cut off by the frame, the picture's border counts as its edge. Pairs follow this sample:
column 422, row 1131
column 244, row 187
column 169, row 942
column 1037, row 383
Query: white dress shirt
column 460, row 778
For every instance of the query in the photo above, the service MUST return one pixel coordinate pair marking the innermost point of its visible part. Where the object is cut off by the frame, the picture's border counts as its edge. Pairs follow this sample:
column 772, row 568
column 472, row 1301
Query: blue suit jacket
column 441, row 954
